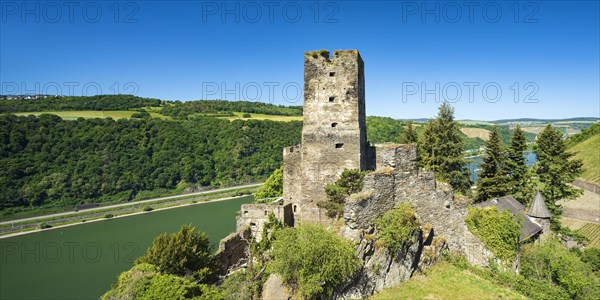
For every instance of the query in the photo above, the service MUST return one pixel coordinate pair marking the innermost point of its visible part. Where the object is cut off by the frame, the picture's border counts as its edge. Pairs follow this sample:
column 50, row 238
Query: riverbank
column 37, row 224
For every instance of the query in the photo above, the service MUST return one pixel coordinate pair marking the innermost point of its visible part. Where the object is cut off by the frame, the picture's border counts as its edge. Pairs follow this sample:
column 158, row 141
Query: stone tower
column 334, row 131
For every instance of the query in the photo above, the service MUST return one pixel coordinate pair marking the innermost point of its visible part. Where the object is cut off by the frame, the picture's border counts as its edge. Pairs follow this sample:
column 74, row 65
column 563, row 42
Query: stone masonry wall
column 333, row 134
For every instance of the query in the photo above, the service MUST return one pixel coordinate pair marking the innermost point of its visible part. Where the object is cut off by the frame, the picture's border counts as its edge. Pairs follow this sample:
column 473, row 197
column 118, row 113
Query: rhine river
column 81, row 262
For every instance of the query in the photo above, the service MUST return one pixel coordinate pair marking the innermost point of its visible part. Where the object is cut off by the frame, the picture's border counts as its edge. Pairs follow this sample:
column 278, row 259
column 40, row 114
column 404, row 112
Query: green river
column 81, row 262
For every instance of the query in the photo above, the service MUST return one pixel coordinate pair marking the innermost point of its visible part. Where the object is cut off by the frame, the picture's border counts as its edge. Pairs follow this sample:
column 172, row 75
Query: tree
column 184, row 253
column 273, row 187
column 144, row 281
column 556, row 169
column 409, row 136
column 441, row 149
column 520, row 184
column 350, row 182
column 313, row 259
column 493, row 177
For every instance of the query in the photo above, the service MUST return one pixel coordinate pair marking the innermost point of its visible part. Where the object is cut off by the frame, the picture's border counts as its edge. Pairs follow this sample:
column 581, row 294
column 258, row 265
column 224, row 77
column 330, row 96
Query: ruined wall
column 333, row 134
column 254, row 216
column 398, row 180
column 232, row 249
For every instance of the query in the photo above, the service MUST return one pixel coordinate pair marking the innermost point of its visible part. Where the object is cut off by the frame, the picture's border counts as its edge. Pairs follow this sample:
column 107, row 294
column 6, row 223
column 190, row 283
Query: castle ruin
column 334, row 139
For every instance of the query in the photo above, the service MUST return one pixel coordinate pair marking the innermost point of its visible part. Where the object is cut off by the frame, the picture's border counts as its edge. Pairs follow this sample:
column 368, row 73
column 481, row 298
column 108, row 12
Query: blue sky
column 543, row 57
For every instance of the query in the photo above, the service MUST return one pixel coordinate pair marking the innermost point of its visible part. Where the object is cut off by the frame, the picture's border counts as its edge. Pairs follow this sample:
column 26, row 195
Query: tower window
column 331, row 74
column 339, row 145
column 331, row 99
column 333, row 124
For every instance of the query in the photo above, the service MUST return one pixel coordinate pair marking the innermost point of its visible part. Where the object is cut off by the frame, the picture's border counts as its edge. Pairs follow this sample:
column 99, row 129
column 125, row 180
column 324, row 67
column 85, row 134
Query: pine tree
column 520, row 184
column 556, row 170
column 409, row 136
column 493, row 178
column 441, row 149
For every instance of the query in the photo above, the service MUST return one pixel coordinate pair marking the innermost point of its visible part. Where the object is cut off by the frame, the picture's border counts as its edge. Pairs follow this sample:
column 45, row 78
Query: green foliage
column 350, row 182
column 520, row 183
column 184, row 253
column 493, row 177
column 396, row 227
column 50, row 162
column 273, row 187
column 312, row 259
column 148, row 208
column 44, row 225
column 246, row 115
column 108, row 216
column 591, row 256
column 556, row 170
column 144, row 281
column 497, row 230
column 239, row 286
column 441, row 149
column 182, row 110
column 98, row 102
column 384, row 129
column 584, row 135
column 141, row 115
column 550, row 261
column 409, row 136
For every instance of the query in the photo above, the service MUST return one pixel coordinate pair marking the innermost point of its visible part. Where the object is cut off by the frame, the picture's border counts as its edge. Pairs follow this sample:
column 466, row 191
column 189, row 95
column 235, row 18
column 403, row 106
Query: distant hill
column 522, row 120
column 586, row 145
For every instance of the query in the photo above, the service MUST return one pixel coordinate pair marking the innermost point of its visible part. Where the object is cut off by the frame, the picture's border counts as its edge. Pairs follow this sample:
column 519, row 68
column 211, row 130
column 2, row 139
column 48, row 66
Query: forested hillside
column 47, row 161
column 99, row 102
column 182, row 110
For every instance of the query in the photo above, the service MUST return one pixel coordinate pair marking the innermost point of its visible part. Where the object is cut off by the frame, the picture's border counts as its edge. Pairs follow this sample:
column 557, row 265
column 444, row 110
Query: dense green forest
column 99, row 102
column 182, row 110
column 48, row 161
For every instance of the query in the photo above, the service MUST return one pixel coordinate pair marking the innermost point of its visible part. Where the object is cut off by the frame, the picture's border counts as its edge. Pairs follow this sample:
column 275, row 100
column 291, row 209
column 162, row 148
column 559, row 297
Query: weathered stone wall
column 398, row 180
column 232, row 248
column 254, row 216
column 333, row 134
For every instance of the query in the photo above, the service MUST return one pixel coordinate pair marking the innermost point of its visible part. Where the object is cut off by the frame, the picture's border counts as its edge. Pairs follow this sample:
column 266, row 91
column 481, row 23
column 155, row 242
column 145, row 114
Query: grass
column 238, row 116
column 90, row 114
column 592, row 232
column 481, row 133
column 589, row 151
column 445, row 281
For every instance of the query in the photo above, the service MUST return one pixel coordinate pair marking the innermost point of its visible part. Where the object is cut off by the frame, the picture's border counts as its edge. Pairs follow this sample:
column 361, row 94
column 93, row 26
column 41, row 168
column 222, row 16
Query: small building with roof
column 539, row 213
column 529, row 228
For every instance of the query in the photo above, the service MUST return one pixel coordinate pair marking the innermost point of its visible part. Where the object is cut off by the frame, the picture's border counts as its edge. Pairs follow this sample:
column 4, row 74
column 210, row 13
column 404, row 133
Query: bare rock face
column 275, row 289
column 382, row 268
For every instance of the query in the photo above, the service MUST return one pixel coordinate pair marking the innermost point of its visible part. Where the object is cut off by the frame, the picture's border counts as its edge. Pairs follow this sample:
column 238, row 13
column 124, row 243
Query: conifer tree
column 520, row 184
column 493, row 178
column 409, row 136
column 441, row 149
column 556, row 169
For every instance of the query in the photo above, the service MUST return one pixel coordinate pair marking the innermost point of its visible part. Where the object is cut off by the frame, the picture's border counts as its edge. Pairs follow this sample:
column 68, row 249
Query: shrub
column 148, row 208
column 312, row 259
column 273, row 186
column 350, row 182
column 396, row 226
column 552, row 262
column 497, row 230
column 108, row 216
column 144, row 281
column 184, row 253
column 246, row 115
column 45, row 225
